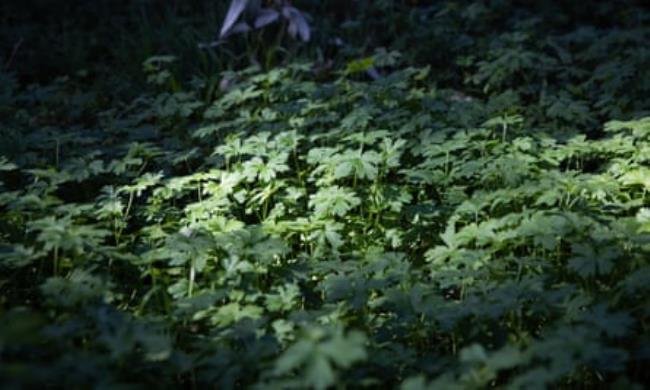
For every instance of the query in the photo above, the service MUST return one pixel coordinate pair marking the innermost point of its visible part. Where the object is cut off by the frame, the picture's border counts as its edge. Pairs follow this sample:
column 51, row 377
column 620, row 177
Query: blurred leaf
column 234, row 11
column 266, row 16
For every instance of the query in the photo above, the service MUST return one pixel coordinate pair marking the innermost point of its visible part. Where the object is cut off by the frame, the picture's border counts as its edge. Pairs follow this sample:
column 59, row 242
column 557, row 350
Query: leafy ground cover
column 479, row 221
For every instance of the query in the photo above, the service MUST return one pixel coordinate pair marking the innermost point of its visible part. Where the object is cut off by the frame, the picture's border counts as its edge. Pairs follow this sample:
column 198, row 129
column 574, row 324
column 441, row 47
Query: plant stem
column 125, row 217
column 55, row 267
column 57, row 153
column 190, row 286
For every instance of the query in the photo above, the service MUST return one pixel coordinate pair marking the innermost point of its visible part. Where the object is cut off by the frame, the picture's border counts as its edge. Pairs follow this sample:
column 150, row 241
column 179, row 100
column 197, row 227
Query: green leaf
column 360, row 65
column 294, row 357
column 319, row 374
column 5, row 165
column 587, row 261
column 333, row 201
column 640, row 127
column 345, row 350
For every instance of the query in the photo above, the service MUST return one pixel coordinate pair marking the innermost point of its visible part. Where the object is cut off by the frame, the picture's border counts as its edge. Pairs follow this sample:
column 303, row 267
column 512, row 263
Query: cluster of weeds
column 386, row 225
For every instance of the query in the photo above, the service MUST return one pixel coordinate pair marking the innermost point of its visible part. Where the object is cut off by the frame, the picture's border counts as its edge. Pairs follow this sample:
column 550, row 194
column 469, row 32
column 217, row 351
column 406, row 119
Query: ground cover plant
column 468, row 212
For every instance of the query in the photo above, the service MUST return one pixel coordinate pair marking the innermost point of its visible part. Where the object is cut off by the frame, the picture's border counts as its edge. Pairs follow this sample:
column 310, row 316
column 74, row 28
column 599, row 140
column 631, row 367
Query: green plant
column 416, row 230
column 292, row 21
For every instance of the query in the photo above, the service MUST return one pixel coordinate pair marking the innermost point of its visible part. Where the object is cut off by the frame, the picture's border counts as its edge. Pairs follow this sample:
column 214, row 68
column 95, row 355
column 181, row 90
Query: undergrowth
column 475, row 225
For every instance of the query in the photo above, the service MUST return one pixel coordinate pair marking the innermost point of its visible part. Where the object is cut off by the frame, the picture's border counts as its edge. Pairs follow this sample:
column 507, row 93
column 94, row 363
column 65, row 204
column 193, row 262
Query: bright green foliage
column 292, row 230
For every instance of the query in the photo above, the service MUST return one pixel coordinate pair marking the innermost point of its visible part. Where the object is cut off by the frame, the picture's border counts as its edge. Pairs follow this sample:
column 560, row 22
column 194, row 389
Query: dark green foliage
column 477, row 219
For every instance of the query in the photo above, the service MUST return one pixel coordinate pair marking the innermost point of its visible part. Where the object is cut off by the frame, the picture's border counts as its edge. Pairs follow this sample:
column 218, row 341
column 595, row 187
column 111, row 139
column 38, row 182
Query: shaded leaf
column 234, row 12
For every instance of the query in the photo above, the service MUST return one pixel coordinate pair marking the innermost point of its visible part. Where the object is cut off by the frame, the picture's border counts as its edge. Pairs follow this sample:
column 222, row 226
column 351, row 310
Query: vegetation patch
column 381, row 221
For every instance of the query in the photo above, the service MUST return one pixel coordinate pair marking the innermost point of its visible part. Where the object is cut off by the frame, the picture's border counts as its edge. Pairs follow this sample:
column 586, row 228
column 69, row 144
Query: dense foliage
column 470, row 211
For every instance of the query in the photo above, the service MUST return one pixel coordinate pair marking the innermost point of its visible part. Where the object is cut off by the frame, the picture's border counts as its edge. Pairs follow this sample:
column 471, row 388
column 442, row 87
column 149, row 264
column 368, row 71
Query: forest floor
column 402, row 217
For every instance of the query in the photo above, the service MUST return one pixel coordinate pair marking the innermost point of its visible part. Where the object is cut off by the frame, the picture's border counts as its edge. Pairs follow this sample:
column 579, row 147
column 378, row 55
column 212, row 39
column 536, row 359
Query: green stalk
column 125, row 217
column 297, row 164
column 55, row 267
column 57, row 154
column 191, row 278
column 265, row 209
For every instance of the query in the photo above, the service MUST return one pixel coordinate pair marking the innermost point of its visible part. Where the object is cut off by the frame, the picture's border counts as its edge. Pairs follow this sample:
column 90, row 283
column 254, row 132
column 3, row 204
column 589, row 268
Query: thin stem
column 125, row 217
column 192, row 276
column 14, row 51
column 57, row 154
column 55, row 267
